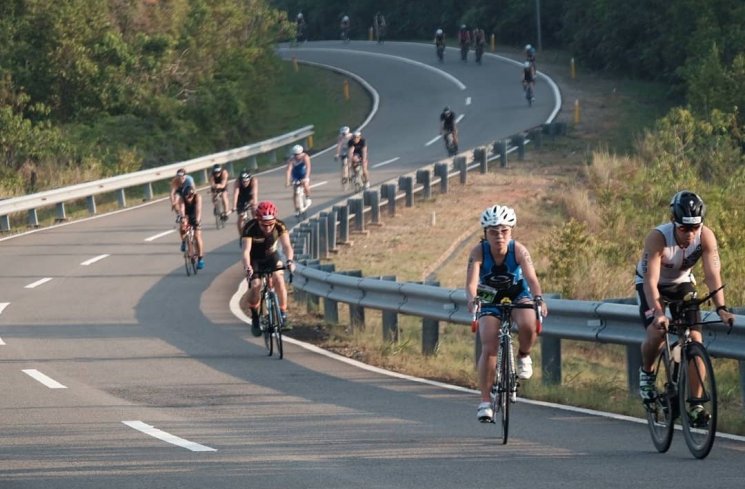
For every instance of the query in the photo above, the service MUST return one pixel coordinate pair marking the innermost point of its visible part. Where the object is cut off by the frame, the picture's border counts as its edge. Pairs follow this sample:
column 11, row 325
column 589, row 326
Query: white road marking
column 160, row 235
column 3, row 305
column 468, row 100
column 94, row 260
column 433, row 141
column 386, row 162
column 2, row 343
column 38, row 283
column 460, row 118
column 44, row 379
column 318, row 184
column 167, row 437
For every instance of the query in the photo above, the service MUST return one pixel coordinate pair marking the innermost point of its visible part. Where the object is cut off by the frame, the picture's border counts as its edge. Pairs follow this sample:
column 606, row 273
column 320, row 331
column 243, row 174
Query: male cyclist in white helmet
column 504, row 264
column 298, row 170
column 342, row 146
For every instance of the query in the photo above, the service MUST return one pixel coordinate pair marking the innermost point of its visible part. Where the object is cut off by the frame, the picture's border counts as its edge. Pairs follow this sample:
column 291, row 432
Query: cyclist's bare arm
column 712, row 265
column 475, row 259
column 198, row 205
column 654, row 246
column 247, row 242
column 526, row 263
column 307, row 168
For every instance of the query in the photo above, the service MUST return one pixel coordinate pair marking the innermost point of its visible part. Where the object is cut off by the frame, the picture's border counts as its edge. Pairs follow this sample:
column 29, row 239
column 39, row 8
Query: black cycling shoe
column 255, row 323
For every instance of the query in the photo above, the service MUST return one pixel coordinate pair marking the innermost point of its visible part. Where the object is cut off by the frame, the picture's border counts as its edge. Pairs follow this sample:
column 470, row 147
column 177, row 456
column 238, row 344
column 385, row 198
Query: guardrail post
column 389, row 193
column 441, row 170
column 61, row 214
column 343, row 213
column 204, row 176
column 252, row 164
column 479, row 156
column 331, row 230
column 406, row 184
column 551, row 359
column 633, row 362
column 536, row 136
column 33, row 218
column 331, row 306
column 430, row 330
column 460, row 164
column 390, row 318
column 356, row 312
column 359, row 214
column 742, row 381
column 4, row 223
column 500, row 149
column 315, row 244
column 323, row 229
column 121, row 198
column 424, row 178
column 519, row 141
column 273, row 157
column 91, row 202
column 373, row 200
column 147, row 192
column 231, row 170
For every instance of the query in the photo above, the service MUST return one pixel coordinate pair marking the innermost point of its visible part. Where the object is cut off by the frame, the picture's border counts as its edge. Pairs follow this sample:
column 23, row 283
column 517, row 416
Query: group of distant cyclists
column 379, row 27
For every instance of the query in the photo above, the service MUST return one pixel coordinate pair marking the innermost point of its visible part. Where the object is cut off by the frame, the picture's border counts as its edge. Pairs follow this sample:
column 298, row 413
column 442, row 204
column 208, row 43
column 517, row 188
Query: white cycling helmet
column 297, row 149
column 357, row 134
column 498, row 215
column 345, row 18
column 526, row 64
column 528, row 47
column 344, row 130
column 438, row 32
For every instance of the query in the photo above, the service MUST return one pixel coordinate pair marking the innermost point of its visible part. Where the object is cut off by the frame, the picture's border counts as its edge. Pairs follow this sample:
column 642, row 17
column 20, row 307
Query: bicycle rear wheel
column 660, row 417
column 219, row 223
column 699, row 423
column 187, row 263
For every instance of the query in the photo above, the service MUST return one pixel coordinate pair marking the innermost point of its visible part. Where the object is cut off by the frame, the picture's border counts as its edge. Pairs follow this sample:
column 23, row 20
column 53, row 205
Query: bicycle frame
column 269, row 310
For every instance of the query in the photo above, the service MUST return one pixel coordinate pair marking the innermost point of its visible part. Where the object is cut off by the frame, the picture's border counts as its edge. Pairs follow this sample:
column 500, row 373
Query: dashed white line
column 433, row 141
column 318, row 184
column 460, row 118
column 44, row 379
column 3, row 305
column 94, row 260
column 468, row 100
column 38, row 283
column 167, row 437
column 386, row 162
column 160, row 235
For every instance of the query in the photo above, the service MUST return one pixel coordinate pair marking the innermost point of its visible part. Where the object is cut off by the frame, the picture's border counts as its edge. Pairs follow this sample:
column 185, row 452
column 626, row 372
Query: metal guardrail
column 119, row 183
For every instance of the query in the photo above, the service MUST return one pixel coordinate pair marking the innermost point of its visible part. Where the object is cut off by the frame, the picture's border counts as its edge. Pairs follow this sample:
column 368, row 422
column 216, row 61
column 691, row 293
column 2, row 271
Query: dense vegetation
column 93, row 87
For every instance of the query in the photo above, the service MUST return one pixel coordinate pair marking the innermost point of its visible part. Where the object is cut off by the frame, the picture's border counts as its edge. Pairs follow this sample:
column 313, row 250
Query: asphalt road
column 118, row 371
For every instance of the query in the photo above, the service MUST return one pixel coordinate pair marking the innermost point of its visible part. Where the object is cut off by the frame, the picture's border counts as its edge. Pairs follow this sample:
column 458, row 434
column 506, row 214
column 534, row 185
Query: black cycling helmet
column 216, row 169
column 446, row 110
column 245, row 176
column 687, row 208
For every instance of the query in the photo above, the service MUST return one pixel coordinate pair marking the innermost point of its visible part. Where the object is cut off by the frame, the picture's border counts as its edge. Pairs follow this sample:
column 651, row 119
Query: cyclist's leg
column 526, row 326
column 306, row 186
column 225, row 208
column 200, row 242
column 281, row 289
column 365, row 174
column 489, row 334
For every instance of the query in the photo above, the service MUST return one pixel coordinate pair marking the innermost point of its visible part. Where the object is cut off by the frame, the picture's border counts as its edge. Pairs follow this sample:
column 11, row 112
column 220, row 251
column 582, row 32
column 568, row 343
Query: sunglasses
column 266, row 224
column 688, row 228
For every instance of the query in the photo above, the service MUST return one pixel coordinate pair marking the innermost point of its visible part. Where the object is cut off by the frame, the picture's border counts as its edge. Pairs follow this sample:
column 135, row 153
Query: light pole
column 538, row 24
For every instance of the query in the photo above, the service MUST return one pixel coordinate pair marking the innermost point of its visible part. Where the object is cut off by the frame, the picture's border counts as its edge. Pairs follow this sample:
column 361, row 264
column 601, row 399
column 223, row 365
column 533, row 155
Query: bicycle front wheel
column 660, row 417
column 698, row 400
column 266, row 319
column 504, row 379
column 277, row 326
column 187, row 263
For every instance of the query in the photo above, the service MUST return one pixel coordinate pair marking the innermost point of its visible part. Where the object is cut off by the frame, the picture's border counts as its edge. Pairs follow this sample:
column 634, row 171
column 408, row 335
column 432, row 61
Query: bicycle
column 300, row 200
column 529, row 94
column 450, row 145
column 674, row 392
column 190, row 252
column 464, row 47
column 505, row 387
column 270, row 317
column 440, row 52
column 218, row 210
column 356, row 175
column 479, row 52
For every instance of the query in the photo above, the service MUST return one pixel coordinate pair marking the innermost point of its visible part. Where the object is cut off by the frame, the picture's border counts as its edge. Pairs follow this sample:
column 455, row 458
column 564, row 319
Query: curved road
column 118, row 370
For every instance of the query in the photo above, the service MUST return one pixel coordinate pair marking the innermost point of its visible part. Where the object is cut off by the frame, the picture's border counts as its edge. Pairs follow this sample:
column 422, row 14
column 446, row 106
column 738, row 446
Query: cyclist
column 298, row 170
column 664, row 274
column 505, row 264
column 262, row 236
column 219, row 188
column 178, row 184
column 358, row 147
column 379, row 26
column 300, row 28
column 190, row 211
column 529, row 78
column 448, row 125
column 530, row 54
column 479, row 42
column 342, row 147
column 345, row 25
column 439, row 43
column 464, row 39
column 245, row 196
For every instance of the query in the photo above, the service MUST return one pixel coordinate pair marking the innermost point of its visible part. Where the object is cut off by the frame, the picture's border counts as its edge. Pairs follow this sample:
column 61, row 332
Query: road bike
column 355, row 176
column 299, row 199
column 506, row 384
column 529, row 93
column 440, row 52
column 685, row 386
column 479, row 50
column 345, row 34
column 270, row 316
column 190, row 251
column 450, row 145
column 464, row 47
column 218, row 210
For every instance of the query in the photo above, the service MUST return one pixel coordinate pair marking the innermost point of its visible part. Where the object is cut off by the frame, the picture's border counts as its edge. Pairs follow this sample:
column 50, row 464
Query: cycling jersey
column 179, row 186
column 464, row 37
column 245, row 195
column 299, row 168
column 220, row 178
column 528, row 74
column 448, row 121
column 263, row 247
column 357, row 147
column 677, row 262
column 190, row 210
column 506, row 277
column 440, row 40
